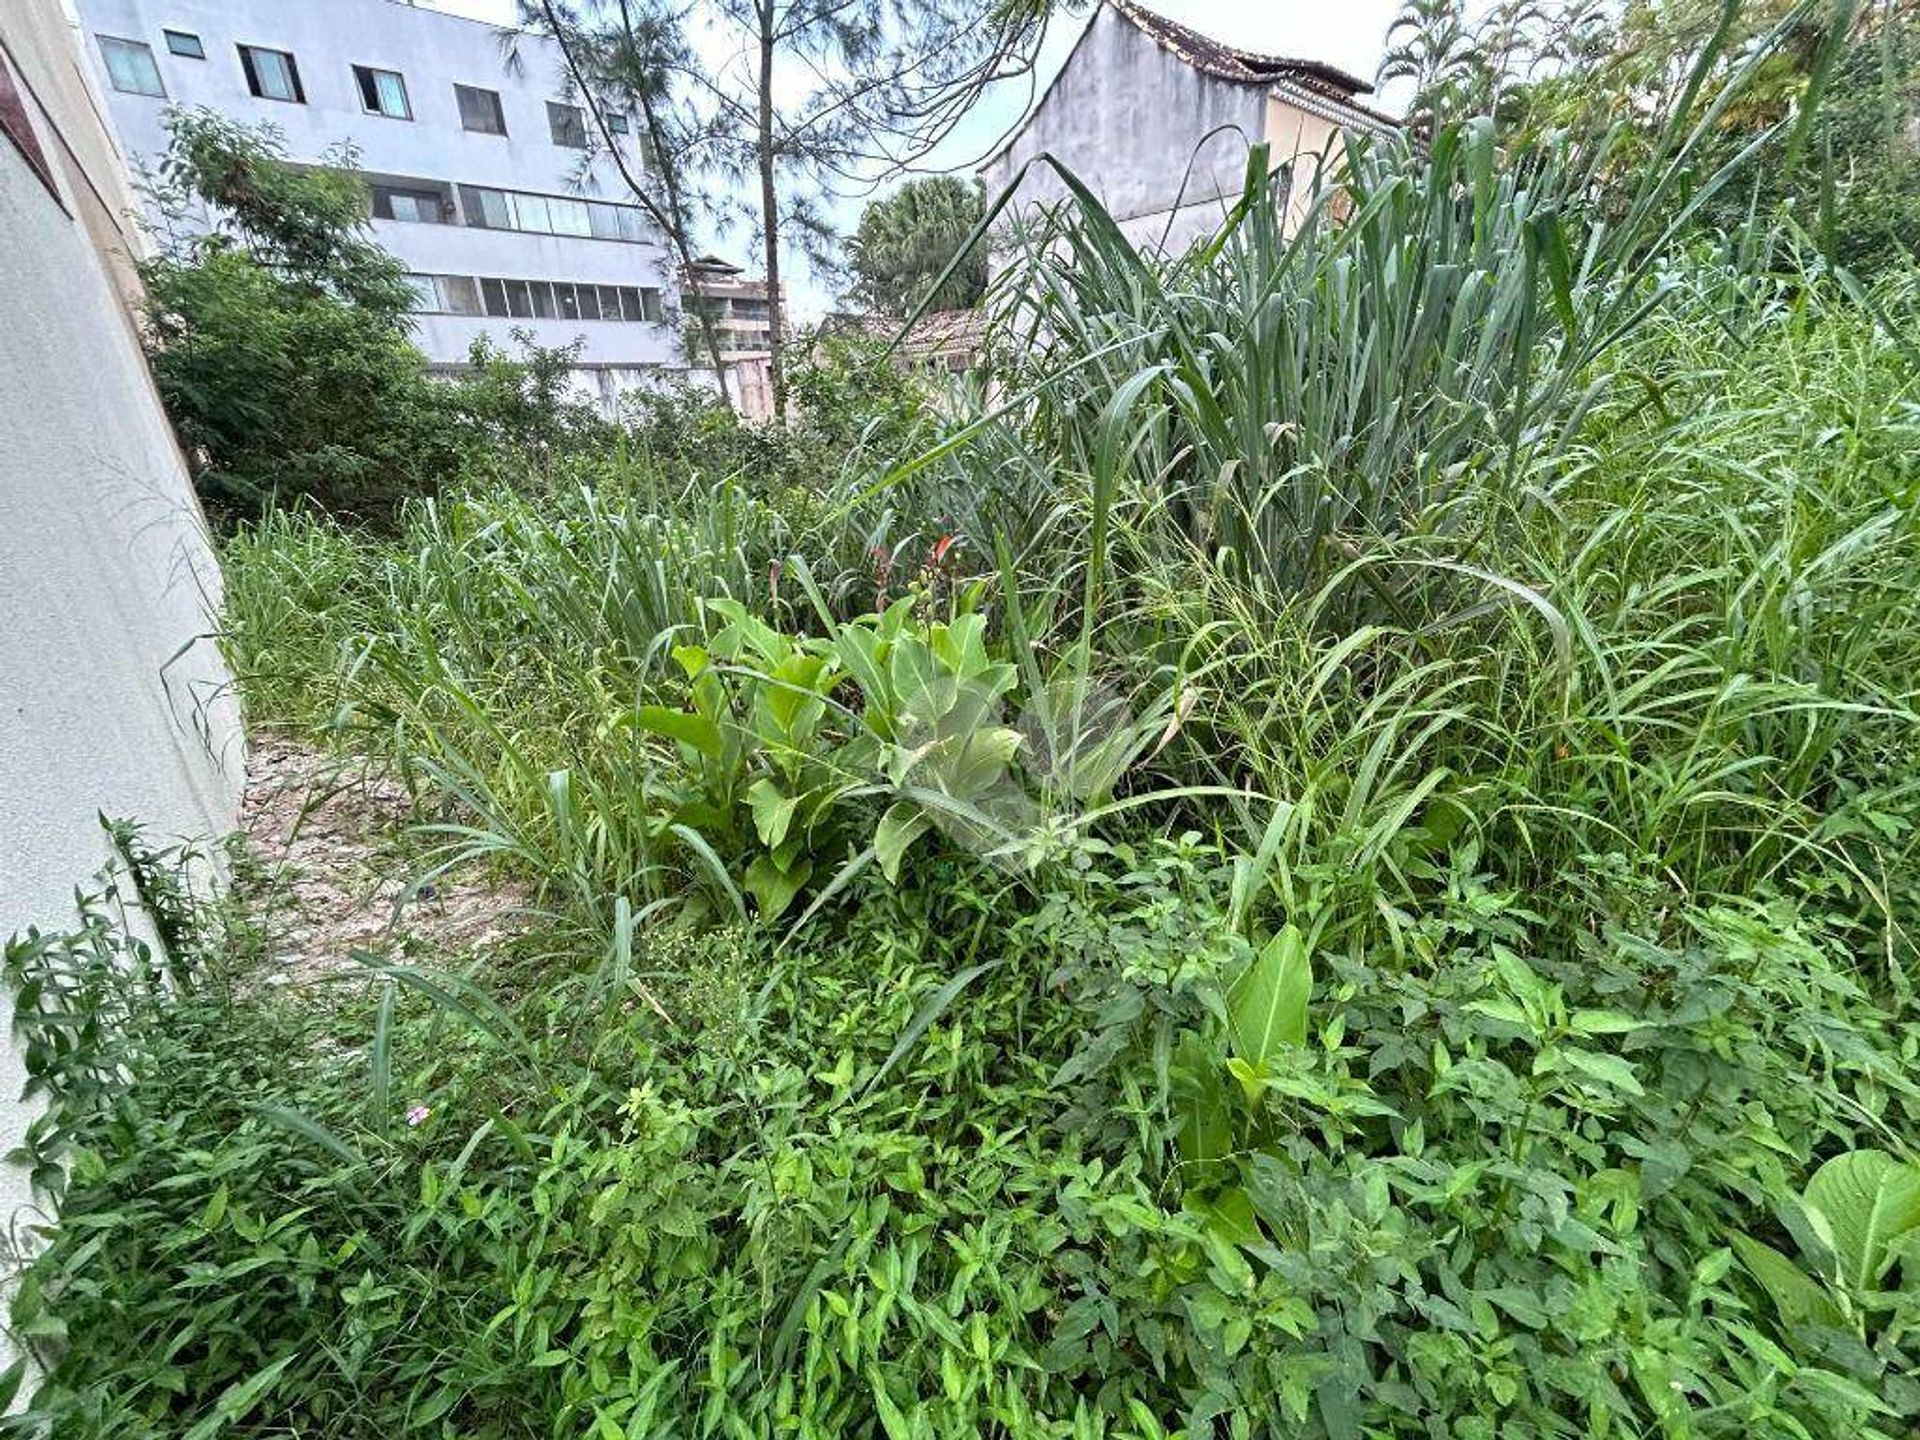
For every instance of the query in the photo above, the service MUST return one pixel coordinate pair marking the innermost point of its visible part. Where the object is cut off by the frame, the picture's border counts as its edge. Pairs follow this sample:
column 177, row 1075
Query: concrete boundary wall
column 113, row 696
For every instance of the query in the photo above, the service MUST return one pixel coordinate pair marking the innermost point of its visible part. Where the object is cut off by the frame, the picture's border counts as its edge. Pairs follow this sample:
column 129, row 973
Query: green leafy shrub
column 1465, row 988
column 936, row 1175
column 279, row 341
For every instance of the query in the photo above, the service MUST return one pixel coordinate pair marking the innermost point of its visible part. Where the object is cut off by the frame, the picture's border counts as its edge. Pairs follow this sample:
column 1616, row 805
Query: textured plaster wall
column 111, row 697
column 1127, row 117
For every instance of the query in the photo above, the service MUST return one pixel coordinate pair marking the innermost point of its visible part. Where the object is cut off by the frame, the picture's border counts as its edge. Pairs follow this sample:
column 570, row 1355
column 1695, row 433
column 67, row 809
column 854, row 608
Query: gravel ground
column 332, row 864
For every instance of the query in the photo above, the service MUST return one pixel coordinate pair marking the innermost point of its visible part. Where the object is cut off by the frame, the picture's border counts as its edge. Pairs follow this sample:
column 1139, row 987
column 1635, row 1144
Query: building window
column 569, row 125
column 17, row 126
column 421, row 207
column 382, row 92
column 184, row 44
column 131, row 67
column 552, row 215
column 569, row 217
column 507, row 299
column 480, row 110
column 272, row 75
column 618, row 125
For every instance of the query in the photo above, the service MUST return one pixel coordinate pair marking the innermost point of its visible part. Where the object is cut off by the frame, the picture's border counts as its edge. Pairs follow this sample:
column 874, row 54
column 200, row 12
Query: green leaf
column 237, row 1399
column 904, row 823
column 1799, row 1300
column 1267, row 1007
column 772, row 811
column 694, row 731
column 794, row 683
column 930, row 1010
column 1205, row 1128
column 10, row 1380
column 1608, row 1070
column 1862, row 1202
column 773, row 888
column 892, row 1419
column 1603, row 1022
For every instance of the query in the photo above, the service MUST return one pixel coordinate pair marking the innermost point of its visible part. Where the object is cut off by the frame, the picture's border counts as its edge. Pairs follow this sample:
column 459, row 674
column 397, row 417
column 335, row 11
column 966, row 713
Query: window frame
column 382, row 197
column 251, row 73
column 199, row 50
column 555, row 110
column 499, row 110
column 559, row 301
column 143, row 49
column 365, row 76
column 446, row 285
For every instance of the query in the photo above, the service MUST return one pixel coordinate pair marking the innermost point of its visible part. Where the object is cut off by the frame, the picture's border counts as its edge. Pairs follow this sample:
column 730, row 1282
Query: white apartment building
column 485, row 179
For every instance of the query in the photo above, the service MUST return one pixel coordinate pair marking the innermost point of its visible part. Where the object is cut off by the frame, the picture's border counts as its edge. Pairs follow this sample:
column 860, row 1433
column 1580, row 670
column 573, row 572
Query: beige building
column 116, row 700
column 1158, row 120
column 741, row 309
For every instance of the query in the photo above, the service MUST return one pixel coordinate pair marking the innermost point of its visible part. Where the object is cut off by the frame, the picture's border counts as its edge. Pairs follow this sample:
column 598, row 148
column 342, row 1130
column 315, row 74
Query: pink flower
column 418, row 1113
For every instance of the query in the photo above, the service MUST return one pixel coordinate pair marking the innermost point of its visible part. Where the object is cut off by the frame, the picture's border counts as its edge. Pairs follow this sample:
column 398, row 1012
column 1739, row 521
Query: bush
column 279, row 341
column 979, row 1166
column 1133, row 966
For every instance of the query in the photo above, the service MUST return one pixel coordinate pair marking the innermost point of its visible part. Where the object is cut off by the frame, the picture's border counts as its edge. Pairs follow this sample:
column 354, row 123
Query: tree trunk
column 770, row 214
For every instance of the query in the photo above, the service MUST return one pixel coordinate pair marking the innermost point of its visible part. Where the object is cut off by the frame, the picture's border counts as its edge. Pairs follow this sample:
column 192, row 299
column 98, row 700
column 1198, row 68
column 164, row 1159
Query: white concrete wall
column 113, row 697
column 1127, row 117
column 433, row 52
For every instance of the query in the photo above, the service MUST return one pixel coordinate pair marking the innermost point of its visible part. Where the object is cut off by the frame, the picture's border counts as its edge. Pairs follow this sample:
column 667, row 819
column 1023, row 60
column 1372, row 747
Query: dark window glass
column 185, row 44
column 494, row 293
column 609, row 302
column 650, row 302
column 519, row 302
column 487, row 209
column 630, row 304
column 543, row 307
column 422, row 207
column 271, row 74
column 603, row 220
column 131, row 67
column 383, row 92
column 566, row 300
column 459, row 295
column 480, row 110
column 568, row 124
column 618, row 125
column 589, row 301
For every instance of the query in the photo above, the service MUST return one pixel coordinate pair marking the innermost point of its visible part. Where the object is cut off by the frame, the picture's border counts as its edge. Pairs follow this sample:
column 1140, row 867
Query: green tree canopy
column 279, row 334
column 906, row 241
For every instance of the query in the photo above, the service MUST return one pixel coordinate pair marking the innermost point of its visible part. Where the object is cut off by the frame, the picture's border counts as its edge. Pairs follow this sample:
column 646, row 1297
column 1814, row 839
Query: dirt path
column 331, row 863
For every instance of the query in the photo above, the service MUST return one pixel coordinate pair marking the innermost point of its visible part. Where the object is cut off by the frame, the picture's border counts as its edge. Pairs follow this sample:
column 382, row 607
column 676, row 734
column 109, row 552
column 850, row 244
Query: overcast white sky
column 1347, row 33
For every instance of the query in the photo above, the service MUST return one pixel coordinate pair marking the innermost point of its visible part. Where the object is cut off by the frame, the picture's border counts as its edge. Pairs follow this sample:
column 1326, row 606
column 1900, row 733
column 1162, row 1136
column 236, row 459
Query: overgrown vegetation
column 1337, row 861
column 277, row 331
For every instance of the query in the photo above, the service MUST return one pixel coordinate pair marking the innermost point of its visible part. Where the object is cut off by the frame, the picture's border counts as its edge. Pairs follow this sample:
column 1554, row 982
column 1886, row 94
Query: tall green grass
column 1354, row 831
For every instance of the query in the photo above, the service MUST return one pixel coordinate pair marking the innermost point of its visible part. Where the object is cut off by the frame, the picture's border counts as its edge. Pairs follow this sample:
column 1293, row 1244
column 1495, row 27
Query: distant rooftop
column 1229, row 62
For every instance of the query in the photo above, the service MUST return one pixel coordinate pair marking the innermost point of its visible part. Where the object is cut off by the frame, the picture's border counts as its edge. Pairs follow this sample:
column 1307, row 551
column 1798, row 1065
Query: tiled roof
column 1228, row 62
column 939, row 331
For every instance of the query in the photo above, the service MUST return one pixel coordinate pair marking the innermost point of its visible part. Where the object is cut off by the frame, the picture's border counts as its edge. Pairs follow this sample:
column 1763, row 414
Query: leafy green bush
column 1442, row 969
column 279, row 341
column 979, row 1165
